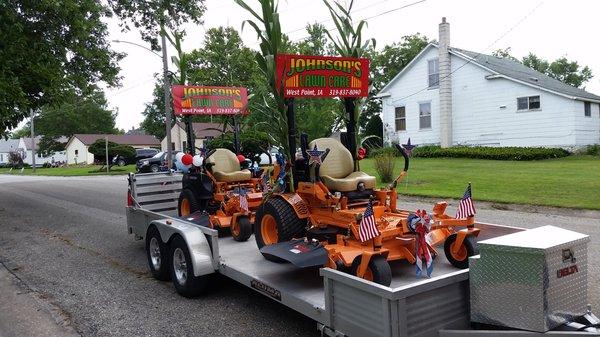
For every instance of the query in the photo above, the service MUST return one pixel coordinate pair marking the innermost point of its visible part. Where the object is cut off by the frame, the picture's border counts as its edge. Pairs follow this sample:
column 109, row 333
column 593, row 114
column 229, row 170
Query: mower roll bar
column 394, row 183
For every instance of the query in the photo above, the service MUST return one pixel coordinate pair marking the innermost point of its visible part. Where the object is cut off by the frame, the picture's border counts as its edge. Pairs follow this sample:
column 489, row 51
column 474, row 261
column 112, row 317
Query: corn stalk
column 274, row 106
column 349, row 43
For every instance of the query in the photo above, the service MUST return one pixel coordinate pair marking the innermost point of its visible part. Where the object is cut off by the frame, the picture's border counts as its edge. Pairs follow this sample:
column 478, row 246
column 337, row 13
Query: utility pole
column 106, row 152
column 167, row 91
column 32, row 141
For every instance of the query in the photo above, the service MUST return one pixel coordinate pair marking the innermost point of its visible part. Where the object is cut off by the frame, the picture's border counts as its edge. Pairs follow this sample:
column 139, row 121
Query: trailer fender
column 200, row 250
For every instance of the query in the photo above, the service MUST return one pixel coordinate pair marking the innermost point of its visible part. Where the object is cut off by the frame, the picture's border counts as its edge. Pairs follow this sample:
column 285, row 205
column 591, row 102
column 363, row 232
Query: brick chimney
column 445, row 90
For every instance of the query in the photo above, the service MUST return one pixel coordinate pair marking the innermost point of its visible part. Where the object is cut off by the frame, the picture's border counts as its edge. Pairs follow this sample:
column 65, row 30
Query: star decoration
column 408, row 147
column 315, row 155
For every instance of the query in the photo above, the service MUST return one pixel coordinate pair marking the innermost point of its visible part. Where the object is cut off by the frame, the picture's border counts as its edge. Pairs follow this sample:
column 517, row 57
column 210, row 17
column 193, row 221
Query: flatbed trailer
column 340, row 303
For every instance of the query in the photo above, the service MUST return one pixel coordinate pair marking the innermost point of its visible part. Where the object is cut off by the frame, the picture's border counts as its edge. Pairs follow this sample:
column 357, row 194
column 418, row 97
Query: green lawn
column 567, row 182
column 72, row 171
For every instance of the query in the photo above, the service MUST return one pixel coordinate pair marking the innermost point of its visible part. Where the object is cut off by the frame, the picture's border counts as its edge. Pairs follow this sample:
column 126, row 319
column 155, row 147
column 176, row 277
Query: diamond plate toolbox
column 532, row 280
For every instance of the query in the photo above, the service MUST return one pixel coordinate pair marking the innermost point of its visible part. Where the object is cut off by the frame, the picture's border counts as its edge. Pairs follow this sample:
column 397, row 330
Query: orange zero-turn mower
column 214, row 190
column 318, row 225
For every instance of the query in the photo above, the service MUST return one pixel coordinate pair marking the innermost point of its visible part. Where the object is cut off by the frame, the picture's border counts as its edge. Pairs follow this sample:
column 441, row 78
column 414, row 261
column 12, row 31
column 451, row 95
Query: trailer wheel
column 241, row 229
column 187, row 203
column 276, row 221
column 460, row 259
column 182, row 271
column 157, row 254
column 378, row 270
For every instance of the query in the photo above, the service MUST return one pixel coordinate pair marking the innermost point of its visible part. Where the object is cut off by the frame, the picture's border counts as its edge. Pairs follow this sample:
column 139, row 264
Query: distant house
column 451, row 96
column 6, row 147
column 78, row 144
column 202, row 131
column 27, row 145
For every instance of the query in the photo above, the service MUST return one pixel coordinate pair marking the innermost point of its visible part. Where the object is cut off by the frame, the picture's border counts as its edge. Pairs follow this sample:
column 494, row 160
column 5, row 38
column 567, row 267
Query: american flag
column 368, row 228
column 466, row 207
column 243, row 199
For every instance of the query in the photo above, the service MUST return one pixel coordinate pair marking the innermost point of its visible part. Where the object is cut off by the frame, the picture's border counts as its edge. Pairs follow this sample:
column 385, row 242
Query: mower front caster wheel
column 241, row 229
column 460, row 258
column 378, row 270
column 182, row 270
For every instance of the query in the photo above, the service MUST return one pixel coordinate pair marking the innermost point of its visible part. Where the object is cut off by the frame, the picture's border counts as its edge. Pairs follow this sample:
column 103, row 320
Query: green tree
column 79, row 113
column 504, row 53
column 49, row 145
column 46, row 49
column 98, row 149
column 148, row 16
column 25, row 131
column 154, row 112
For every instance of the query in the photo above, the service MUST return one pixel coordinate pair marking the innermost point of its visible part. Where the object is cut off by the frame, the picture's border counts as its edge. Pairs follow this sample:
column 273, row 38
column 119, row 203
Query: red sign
column 322, row 76
column 197, row 100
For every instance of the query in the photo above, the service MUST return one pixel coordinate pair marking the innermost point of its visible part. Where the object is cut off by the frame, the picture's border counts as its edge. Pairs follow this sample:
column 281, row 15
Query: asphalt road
column 64, row 245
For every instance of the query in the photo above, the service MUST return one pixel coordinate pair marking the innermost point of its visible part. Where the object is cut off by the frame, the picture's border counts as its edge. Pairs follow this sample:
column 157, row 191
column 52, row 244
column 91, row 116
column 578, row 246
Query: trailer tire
column 187, row 203
column 242, row 229
column 461, row 259
column 276, row 221
column 378, row 270
column 182, row 270
column 157, row 253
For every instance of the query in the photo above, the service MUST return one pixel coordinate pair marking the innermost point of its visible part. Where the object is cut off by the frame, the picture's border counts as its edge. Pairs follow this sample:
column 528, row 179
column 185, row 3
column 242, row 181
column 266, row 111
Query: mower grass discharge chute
column 220, row 190
column 318, row 225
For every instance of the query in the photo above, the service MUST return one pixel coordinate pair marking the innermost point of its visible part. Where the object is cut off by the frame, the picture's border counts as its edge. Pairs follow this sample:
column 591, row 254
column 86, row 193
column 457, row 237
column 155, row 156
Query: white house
column 202, row 132
column 27, row 145
column 450, row 96
column 78, row 144
column 6, row 147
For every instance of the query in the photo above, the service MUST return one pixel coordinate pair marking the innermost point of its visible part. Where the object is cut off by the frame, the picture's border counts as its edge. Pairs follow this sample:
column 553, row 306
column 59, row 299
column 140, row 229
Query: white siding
column 82, row 156
column 408, row 91
column 485, row 111
column 178, row 136
column 587, row 129
column 39, row 160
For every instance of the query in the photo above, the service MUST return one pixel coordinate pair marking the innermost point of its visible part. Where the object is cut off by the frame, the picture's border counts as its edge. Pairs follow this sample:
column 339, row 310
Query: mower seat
column 226, row 167
column 337, row 170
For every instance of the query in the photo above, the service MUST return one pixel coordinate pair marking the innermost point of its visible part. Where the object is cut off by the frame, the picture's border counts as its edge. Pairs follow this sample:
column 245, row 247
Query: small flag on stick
column 368, row 228
column 466, row 207
column 243, row 199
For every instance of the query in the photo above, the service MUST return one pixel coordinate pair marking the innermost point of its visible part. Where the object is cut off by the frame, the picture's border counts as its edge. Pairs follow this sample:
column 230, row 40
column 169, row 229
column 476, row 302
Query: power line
column 481, row 53
column 372, row 17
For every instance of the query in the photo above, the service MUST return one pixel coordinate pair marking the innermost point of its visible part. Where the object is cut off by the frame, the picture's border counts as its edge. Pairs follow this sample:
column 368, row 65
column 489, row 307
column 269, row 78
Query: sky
column 549, row 28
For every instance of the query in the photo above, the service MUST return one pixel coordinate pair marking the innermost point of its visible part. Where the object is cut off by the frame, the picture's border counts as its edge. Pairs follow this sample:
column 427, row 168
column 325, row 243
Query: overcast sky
column 550, row 29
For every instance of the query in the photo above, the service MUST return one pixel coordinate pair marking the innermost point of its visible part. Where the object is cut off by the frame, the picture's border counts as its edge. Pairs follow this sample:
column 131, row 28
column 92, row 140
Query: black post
column 236, row 139
column 191, row 138
column 292, row 136
column 350, row 130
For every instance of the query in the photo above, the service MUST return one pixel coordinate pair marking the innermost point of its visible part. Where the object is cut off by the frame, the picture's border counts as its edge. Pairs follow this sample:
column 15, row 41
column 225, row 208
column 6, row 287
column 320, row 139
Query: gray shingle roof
column 8, row 145
column 523, row 73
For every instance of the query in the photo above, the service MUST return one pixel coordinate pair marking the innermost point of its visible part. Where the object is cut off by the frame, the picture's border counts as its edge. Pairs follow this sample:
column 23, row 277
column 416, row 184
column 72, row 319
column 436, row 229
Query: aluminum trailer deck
column 341, row 304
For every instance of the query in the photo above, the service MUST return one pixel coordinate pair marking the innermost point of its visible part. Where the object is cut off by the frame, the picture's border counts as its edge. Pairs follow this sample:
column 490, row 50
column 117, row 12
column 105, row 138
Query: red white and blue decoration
column 466, row 208
column 420, row 223
column 243, row 200
column 368, row 228
column 314, row 156
column 408, row 147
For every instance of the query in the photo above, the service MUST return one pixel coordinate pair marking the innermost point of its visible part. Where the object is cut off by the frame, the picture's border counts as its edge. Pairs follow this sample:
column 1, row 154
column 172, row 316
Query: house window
column 172, row 146
column 1, row 158
column 528, row 103
column 587, row 108
column 400, row 118
column 425, row 115
column 433, row 73
column 76, row 152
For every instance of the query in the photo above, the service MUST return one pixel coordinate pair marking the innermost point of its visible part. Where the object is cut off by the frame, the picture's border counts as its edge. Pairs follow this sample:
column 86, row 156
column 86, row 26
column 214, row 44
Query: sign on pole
column 200, row 100
column 322, row 76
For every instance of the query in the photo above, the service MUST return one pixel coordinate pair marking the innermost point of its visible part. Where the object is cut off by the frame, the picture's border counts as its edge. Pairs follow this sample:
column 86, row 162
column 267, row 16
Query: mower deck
column 303, row 289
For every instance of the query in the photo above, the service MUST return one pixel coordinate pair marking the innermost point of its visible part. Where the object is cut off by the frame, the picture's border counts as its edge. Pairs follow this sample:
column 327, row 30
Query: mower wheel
column 378, row 270
column 460, row 259
column 187, row 203
column 276, row 221
column 242, row 229
column 157, row 253
column 182, row 270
